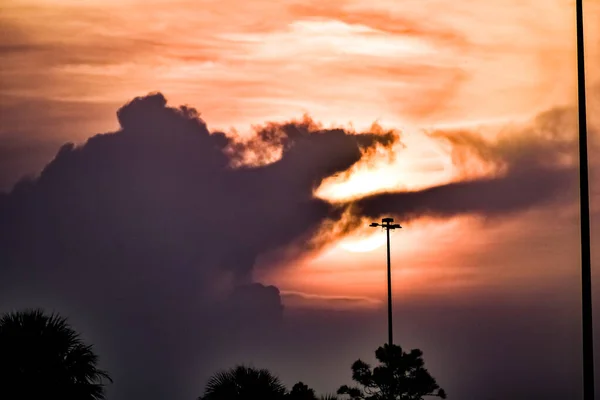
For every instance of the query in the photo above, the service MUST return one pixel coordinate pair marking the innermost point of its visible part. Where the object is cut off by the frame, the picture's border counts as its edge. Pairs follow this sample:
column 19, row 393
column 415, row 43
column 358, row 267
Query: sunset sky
column 473, row 89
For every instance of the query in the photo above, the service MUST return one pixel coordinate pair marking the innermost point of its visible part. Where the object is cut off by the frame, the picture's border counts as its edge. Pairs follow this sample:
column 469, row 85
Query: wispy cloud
column 341, row 60
column 308, row 300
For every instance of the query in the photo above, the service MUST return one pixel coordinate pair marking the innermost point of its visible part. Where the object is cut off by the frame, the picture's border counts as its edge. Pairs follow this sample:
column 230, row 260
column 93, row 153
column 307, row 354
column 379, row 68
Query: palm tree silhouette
column 41, row 356
column 244, row 383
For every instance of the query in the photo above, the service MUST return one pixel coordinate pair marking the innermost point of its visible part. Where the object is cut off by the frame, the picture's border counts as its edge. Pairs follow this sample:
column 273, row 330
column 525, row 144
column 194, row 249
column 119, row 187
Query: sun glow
column 362, row 244
column 356, row 266
column 420, row 163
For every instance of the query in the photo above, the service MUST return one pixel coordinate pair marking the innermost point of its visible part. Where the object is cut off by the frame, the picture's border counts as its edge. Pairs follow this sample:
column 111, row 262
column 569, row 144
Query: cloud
column 519, row 169
column 305, row 300
column 165, row 196
column 391, row 23
column 154, row 229
column 149, row 235
column 21, row 157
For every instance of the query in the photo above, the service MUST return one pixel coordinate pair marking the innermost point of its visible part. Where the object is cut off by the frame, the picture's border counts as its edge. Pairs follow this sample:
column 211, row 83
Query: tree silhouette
column 42, row 357
column 244, row 383
column 300, row 391
column 400, row 376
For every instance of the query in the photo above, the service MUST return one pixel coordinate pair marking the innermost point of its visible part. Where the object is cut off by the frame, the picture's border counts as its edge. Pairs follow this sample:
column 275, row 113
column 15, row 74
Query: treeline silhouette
column 42, row 356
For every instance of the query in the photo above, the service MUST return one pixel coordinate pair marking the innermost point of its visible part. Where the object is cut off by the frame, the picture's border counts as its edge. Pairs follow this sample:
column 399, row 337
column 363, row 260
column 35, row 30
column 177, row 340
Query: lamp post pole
column 387, row 224
column 584, row 196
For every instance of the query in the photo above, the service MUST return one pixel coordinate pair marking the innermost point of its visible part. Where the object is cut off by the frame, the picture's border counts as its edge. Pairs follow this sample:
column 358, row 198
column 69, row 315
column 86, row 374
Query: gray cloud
column 22, row 157
column 148, row 235
column 531, row 167
column 151, row 229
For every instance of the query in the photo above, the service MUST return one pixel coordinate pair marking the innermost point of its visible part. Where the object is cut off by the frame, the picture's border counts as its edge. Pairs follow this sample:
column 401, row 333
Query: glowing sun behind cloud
column 418, row 162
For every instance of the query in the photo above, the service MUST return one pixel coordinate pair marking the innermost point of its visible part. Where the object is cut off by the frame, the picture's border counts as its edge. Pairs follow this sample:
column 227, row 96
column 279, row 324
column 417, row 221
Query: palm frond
column 242, row 382
column 45, row 355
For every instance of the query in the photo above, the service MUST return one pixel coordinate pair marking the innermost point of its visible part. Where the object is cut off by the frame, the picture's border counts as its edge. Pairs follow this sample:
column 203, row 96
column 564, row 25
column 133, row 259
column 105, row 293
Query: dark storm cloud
column 488, row 197
column 147, row 228
column 148, row 236
column 531, row 167
column 164, row 182
column 22, row 157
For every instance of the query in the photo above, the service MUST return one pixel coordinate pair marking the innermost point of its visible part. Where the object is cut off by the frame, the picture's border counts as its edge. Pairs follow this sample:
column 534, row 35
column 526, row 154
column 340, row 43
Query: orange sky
column 412, row 65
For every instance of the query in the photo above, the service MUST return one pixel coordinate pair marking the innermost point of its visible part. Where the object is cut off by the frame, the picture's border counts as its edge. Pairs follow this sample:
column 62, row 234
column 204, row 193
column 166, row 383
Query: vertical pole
column 586, row 267
column 389, row 282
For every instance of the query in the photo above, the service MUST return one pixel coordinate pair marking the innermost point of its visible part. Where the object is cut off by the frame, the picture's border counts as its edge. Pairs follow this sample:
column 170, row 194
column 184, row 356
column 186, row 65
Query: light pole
column 584, row 197
column 387, row 224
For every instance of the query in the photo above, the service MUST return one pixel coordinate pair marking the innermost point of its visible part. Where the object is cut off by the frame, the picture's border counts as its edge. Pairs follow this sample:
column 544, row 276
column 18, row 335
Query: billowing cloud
column 21, row 156
column 160, row 223
column 519, row 169
column 165, row 182
column 167, row 205
column 152, row 231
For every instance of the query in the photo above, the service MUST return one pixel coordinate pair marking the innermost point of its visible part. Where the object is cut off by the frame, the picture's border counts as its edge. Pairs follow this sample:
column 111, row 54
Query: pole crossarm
column 386, row 223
